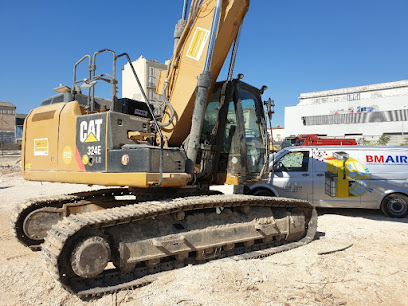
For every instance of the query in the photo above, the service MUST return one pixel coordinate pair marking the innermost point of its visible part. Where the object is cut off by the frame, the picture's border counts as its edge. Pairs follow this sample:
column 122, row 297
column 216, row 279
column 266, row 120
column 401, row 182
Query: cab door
column 291, row 175
column 235, row 126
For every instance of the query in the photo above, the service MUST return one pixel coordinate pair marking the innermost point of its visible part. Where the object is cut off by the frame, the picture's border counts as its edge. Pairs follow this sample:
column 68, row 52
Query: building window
column 152, row 81
column 151, row 71
column 19, row 131
column 353, row 96
column 364, row 117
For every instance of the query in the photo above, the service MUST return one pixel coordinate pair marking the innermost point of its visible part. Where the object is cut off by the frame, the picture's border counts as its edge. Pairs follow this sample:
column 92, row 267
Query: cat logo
column 90, row 132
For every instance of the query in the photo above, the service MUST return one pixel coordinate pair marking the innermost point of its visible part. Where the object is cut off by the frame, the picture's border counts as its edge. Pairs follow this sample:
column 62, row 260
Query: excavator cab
column 235, row 118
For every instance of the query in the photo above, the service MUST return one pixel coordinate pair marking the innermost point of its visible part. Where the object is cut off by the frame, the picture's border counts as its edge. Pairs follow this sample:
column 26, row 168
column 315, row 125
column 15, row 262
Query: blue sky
column 291, row 46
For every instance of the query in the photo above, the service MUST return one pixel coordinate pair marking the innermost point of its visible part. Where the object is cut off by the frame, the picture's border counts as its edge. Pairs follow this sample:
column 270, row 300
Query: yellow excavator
column 206, row 133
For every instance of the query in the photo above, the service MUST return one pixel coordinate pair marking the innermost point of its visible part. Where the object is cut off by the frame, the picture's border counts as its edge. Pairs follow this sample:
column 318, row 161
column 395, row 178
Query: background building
column 277, row 132
column 355, row 112
column 19, row 127
column 148, row 74
column 7, row 123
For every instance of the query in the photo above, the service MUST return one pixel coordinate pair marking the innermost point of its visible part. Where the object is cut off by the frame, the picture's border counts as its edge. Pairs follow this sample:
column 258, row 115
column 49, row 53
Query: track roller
column 90, row 256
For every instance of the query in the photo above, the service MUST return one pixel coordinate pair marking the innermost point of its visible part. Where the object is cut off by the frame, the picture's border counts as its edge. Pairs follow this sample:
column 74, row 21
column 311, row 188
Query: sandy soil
column 374, row 270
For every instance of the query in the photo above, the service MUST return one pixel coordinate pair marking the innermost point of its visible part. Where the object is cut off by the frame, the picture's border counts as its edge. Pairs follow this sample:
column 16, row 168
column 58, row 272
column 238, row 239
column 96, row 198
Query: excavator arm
column 190, row 57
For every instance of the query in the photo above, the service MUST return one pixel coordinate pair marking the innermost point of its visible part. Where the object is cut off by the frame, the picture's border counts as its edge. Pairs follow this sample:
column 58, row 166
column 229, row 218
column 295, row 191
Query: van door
column 335, row 179
column 291, row 177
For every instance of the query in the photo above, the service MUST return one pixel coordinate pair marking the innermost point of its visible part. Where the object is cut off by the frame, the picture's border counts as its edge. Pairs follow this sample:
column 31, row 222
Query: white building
column 355, row 112
column 148, row 74
column 278, row 133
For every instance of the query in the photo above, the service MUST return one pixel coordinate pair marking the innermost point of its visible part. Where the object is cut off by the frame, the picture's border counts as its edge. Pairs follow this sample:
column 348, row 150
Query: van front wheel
column 263, row 193
column 395, row 205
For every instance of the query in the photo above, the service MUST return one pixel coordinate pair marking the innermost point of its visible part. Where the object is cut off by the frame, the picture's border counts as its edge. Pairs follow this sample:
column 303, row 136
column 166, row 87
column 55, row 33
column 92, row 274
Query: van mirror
column 279, row 167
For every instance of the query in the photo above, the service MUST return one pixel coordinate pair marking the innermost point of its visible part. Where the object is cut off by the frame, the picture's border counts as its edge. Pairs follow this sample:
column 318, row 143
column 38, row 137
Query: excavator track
column 66, row 237
column 20, row 213
column 55, row 203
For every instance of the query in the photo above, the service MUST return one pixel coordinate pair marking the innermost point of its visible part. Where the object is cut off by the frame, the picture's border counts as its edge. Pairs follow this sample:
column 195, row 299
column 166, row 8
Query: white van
column 341, row 176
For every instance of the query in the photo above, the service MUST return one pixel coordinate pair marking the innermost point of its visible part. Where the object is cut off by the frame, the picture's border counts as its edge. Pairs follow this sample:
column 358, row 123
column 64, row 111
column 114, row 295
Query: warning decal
column 41, row 147
column 197, row 43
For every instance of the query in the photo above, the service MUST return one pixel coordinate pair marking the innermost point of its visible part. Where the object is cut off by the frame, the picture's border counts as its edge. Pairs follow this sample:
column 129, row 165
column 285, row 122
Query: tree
column 383, row 140
column 405, row 142
column 365, row 142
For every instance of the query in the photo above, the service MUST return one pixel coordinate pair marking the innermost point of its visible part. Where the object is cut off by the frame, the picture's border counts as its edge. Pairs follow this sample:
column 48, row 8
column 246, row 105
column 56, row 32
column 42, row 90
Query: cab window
column 255, row 147
column 210, row 118
column 292, row 162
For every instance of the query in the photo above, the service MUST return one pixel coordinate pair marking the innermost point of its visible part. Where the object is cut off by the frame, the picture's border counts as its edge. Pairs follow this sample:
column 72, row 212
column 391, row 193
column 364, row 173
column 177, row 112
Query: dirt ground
column 373, row 271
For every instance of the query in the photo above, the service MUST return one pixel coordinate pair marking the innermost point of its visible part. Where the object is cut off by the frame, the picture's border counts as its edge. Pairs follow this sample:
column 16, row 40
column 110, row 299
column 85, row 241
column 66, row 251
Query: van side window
column 294, row 161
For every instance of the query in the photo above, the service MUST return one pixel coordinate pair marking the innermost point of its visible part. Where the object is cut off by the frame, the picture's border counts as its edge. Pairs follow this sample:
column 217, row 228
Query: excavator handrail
column 83, row 80
column 92, row 69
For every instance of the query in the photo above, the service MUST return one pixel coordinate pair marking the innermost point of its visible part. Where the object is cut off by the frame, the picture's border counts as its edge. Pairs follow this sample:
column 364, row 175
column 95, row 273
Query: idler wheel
column 39, row 222
column 90, row 256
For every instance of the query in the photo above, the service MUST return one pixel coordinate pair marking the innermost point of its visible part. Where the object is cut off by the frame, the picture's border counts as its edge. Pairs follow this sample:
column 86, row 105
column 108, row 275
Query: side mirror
column 262, row 90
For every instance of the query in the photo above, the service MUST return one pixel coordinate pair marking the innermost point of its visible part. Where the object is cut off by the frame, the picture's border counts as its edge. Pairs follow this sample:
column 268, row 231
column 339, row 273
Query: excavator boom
column 190, row 57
